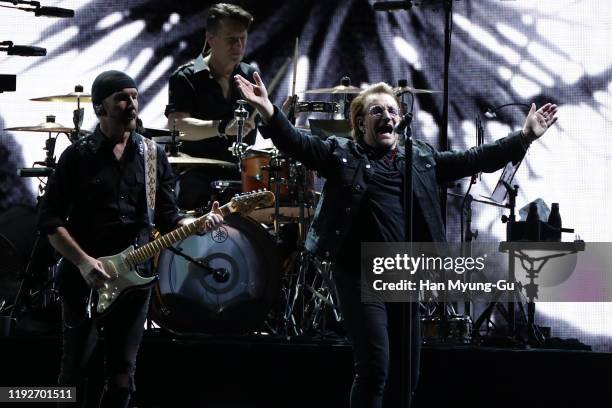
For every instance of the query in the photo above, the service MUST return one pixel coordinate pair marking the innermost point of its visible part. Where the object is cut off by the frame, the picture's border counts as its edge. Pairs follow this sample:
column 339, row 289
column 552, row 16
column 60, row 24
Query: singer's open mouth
column 386, row 129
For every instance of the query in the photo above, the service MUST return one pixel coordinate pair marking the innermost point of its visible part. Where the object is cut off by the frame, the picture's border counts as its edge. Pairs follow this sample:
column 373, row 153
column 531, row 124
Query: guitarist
column 96, row 205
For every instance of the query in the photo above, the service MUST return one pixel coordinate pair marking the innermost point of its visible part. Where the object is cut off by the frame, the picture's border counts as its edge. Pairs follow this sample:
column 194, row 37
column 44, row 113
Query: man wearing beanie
column 202, row 100
column 96, row 205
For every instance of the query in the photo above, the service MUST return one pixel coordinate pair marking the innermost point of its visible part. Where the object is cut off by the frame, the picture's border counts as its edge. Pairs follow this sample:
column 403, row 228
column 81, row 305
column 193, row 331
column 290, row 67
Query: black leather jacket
column 346, row 167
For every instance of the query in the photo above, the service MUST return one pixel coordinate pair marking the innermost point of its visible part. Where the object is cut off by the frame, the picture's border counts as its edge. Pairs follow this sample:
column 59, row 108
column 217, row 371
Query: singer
column 362, row 202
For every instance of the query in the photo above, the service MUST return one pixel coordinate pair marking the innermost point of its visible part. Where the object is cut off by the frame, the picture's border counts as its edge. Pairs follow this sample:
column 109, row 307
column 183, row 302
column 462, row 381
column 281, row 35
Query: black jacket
column 346, row 167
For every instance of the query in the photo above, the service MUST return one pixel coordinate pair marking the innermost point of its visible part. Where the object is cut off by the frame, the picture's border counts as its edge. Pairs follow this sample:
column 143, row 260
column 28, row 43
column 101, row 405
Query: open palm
column 255, row 94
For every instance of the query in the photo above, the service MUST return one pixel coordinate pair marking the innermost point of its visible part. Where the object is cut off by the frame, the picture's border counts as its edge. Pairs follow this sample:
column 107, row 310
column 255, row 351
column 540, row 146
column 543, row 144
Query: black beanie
column 109, row 82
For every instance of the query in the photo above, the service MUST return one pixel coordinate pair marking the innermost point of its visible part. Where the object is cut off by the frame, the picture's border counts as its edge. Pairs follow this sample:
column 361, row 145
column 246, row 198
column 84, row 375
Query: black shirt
column 101, row 200
column 193, row 90
column 381, row 213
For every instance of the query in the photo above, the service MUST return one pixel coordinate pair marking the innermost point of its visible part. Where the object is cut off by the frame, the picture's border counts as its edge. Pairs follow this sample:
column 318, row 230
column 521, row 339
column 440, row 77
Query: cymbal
column 186, row 160
column 408, row 89
column 338, row 89
column 69, row 97
column 46, row 127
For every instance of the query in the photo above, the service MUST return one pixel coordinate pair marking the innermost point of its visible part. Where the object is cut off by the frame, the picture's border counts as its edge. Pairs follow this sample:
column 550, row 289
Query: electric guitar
column 122, row 266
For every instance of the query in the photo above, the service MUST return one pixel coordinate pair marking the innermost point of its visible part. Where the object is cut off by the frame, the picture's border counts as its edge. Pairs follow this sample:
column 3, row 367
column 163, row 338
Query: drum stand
column 310, row 294
column 35, row 290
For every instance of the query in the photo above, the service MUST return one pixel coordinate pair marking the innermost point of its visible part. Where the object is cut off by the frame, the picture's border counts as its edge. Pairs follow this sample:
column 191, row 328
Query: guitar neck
column 149, row 250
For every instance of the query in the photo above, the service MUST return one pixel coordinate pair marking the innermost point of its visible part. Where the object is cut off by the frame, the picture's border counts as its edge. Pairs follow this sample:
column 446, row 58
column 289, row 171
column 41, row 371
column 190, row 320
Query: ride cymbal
column 69, row 97
column 338, row 89
column 186, row 160
column 408, row 89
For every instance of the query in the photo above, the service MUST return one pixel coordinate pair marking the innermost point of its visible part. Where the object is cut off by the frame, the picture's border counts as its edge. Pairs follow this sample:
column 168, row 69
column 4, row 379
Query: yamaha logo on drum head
column 220, row 234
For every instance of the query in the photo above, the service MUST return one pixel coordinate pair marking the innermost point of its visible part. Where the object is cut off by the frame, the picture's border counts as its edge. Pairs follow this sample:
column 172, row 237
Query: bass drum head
column 234, row 297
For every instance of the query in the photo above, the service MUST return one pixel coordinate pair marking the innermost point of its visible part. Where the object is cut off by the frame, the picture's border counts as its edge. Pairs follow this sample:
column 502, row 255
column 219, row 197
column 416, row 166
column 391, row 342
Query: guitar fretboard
column 149, row 250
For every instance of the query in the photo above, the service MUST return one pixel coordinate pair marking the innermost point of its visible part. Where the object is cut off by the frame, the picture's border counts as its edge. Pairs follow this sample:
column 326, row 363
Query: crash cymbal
column 69, row 97
column 186, row 160
column 50, row 126
column 338, row 89
column 408, row 89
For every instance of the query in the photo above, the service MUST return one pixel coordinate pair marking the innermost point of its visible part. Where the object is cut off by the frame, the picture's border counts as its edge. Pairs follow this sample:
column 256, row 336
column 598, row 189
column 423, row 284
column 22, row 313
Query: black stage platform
column 252, row 372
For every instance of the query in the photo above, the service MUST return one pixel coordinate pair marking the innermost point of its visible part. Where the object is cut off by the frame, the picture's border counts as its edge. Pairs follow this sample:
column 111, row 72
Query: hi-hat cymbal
column 338, row 89
column 408, row 89
column 186, row 160
column 46, row 127
column 69, row 97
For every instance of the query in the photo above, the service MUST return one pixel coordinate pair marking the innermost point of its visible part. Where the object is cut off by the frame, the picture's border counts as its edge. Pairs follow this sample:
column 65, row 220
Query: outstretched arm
column 310, row 150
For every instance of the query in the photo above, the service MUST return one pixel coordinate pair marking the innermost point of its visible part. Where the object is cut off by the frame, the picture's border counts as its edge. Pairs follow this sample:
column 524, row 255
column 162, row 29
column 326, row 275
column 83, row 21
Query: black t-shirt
column 193, row 90
column 381, row 216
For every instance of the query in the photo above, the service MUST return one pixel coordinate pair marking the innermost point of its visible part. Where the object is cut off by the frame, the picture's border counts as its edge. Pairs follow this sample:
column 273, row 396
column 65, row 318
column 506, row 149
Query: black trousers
column 375, row 328
column 122, row 329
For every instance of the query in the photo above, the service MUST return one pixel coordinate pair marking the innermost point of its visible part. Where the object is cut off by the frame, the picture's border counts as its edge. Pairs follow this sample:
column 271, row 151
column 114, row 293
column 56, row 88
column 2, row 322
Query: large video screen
column 502, row 52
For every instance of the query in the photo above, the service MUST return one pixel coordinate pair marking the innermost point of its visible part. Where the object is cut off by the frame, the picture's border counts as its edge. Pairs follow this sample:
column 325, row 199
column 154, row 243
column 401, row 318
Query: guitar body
column 124, row 278
column 122, row 266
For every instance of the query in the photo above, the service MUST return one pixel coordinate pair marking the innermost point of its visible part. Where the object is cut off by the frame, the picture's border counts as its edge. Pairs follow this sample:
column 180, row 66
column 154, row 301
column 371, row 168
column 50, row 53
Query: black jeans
column 374, row 328
column 122, row 329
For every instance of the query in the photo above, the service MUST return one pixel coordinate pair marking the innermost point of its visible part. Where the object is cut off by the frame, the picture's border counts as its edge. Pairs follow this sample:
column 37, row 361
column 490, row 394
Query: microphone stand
column 407, row 310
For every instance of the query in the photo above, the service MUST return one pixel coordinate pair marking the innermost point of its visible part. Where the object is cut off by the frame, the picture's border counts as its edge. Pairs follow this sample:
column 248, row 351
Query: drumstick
column 295, row 58
column 274, row 83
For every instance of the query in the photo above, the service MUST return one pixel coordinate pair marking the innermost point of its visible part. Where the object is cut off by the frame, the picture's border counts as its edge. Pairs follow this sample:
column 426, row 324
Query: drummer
column 202, row 100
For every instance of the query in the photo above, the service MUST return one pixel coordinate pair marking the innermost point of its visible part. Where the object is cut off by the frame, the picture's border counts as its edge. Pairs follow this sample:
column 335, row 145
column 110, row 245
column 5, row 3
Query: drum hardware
column 220, row 275
column 78, row 114
column 182, row 159
column 240, row 115
column 403, row 88
column 338, row 89
column 317, row 107
column 458, row 330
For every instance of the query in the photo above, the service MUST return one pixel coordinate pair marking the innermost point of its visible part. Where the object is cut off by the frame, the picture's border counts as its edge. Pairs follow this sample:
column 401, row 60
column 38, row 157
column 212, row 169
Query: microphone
column 53, row 12
column 403, row 124
column 392, row 5
column 491, row 112
column 35, row 172
column 26, row 51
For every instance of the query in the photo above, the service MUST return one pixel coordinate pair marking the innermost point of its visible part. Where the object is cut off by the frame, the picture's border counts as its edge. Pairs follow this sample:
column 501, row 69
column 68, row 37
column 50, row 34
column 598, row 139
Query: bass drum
column 224, row 281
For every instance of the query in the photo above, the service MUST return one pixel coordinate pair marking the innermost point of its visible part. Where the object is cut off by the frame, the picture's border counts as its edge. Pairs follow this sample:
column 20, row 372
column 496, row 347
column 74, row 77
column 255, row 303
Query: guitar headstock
column 247, row 202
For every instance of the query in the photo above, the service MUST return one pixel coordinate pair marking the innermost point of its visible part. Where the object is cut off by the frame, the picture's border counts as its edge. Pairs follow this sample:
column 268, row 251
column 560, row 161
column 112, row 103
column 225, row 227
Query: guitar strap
column 150, row 171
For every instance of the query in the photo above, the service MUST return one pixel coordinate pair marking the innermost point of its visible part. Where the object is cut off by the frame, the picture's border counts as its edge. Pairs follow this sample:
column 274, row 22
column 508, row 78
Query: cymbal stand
column 311, row 291
column 35, row 287
column 77, row 117
column 240, row 115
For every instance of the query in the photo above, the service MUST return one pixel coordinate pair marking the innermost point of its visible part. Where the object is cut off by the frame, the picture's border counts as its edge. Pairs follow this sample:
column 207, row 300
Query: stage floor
column 248, row 372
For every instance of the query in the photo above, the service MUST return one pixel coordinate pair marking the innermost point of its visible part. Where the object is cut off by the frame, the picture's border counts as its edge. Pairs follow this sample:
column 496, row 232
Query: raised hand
column 256, row 95
column 538, row 121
